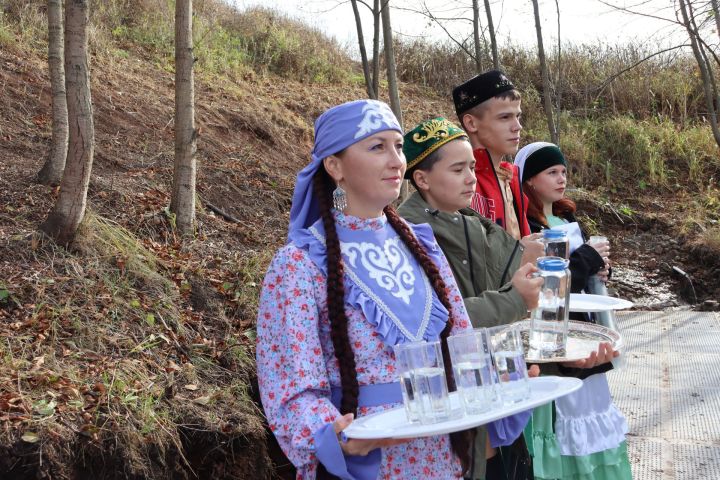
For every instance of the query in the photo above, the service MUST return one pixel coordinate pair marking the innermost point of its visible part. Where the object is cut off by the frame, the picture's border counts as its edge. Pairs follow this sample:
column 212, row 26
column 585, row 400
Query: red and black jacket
column 488, row 198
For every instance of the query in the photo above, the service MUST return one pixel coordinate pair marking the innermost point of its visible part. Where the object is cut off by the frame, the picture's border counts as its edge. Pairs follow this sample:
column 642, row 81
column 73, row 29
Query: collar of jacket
column 483, row 162
column 416, row 203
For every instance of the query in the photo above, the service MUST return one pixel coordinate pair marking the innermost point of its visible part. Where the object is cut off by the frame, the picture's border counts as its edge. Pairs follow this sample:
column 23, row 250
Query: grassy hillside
column 131, row 356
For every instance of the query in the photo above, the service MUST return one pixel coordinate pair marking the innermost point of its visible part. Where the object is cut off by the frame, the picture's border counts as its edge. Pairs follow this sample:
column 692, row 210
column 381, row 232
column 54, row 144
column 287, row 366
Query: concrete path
column 669, row 390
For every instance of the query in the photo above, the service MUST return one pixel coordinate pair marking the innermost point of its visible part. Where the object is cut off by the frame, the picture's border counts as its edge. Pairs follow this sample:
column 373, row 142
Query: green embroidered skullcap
column 426, row 138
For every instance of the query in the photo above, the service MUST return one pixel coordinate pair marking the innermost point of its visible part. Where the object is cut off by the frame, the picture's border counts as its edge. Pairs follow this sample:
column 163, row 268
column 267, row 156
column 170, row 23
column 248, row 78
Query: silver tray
column 583, row 339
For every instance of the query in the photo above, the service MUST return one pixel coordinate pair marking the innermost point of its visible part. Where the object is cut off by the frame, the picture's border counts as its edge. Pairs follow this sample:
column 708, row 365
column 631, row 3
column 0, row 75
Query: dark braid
column 336, row 298
column 461, row 441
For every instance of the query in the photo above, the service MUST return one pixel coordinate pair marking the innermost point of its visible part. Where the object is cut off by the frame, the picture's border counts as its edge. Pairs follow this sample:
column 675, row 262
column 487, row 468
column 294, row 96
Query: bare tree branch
column 607, row 82
column 427, row 13
column 641, row 14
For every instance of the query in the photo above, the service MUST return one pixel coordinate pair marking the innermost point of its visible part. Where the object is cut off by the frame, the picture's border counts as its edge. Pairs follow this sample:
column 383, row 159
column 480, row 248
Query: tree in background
column 559, row 77
column 52, row 171
column 390, row 61
column 491, row 31
column 476, row 36
column 547, row 101
column 376, row 48
column 69, row 210
column 701, row 51
column 371, row 73
column 363, row 54
column 182, row 202
column 392, row 75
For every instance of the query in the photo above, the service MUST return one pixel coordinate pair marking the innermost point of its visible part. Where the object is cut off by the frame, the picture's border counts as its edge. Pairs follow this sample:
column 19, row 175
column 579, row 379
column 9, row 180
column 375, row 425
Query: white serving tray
column 586, row 302
column 394, row 424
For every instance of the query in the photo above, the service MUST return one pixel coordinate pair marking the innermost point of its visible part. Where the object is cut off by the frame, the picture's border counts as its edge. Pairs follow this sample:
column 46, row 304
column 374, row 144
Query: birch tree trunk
column 52, row 171
column 392, row 76
column 390, row 62
column 716, row 14
column 705, row 70
column 559, row 78
column 547, row 103
column 69, row 210
column 182, row 202
column 376, row 49
column 493, row 41
column 363, row 53
column 476, row 36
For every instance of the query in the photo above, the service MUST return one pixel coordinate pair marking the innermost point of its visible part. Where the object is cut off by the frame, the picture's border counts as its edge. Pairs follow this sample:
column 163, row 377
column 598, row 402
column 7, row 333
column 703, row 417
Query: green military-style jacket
column 482, row 256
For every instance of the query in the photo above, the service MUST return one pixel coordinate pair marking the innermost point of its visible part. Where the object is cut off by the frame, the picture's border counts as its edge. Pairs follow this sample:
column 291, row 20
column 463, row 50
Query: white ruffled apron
column 587, row 421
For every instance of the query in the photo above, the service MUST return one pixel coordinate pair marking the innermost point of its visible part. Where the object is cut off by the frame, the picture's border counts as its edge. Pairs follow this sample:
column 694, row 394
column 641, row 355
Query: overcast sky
column 582, row 21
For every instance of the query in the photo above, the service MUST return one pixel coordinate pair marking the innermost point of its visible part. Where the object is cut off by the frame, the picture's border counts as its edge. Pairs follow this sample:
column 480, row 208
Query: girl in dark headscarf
column 582, row 435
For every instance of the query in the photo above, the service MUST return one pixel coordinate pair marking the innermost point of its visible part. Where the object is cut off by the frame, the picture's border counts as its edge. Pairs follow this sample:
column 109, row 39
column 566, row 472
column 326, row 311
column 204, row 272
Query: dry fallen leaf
column 30, row 437
column 191, row 386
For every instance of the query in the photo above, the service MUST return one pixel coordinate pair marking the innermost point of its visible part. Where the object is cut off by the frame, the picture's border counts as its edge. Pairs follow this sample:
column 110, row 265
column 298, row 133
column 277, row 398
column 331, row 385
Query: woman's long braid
column 461, row 441
column 336, row 299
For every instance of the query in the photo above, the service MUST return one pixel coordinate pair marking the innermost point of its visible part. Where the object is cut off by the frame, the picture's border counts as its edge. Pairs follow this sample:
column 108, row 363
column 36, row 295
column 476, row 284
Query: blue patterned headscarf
column 335, row 130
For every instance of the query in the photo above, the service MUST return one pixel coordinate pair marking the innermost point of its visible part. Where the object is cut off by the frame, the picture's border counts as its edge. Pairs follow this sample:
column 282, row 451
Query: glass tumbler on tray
column 474, row 375
column 429, row 384
column 509, row 358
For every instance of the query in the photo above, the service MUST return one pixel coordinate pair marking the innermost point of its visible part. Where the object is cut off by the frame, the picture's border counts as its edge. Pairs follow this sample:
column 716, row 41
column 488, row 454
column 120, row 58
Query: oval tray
column 583, row 339
column 586, row 302
column 393, row 423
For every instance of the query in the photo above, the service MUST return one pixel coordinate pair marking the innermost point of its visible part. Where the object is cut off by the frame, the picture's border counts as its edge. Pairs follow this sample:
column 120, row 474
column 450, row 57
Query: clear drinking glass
column 472, row 364
column 556, row 243
column 427, row 374
column 509, row 359
column 402, row 367
column 598, row 239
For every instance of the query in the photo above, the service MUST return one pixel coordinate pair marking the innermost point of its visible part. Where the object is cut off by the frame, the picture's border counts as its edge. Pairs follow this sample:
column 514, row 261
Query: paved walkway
column 669, row 390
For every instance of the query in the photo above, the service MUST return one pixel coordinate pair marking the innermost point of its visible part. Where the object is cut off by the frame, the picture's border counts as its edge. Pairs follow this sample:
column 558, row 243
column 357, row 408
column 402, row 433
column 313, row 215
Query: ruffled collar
column 377, row 272
column 356, row 223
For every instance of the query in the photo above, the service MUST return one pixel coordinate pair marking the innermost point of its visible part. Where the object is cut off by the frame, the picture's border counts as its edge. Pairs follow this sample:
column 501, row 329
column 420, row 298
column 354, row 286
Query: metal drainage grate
column 645, row 459
column 695, row 414
column 693, row 371
column 693, row 462
column 641, row 407
column 641, row 369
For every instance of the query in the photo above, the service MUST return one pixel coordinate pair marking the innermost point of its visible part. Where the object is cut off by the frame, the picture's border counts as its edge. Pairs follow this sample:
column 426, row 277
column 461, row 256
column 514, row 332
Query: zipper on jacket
column 507, row 267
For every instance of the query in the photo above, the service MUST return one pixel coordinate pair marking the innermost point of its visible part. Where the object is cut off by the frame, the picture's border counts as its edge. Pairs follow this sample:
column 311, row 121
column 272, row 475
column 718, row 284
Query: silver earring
column 339, row 199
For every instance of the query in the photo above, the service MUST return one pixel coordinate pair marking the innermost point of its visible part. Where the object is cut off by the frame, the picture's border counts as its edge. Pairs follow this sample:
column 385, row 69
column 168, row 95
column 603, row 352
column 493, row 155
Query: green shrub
column 289, row 48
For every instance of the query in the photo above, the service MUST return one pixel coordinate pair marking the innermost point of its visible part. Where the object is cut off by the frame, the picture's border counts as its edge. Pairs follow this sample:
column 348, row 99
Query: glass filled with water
column 402, row 367
column 427, row 374
column 556, row 243
column 472, row 365
column 549, row 320
column 509, row 358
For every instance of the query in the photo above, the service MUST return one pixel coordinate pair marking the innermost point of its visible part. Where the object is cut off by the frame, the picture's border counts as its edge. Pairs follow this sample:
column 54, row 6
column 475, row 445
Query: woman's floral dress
column 296, row 362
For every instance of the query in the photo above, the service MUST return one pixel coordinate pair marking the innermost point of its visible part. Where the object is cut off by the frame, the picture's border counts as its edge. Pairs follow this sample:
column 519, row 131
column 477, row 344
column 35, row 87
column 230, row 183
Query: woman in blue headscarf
column 354, row 280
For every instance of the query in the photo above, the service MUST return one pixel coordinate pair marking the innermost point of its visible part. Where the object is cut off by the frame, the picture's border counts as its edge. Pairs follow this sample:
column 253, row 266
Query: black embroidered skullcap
column 480, row 88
